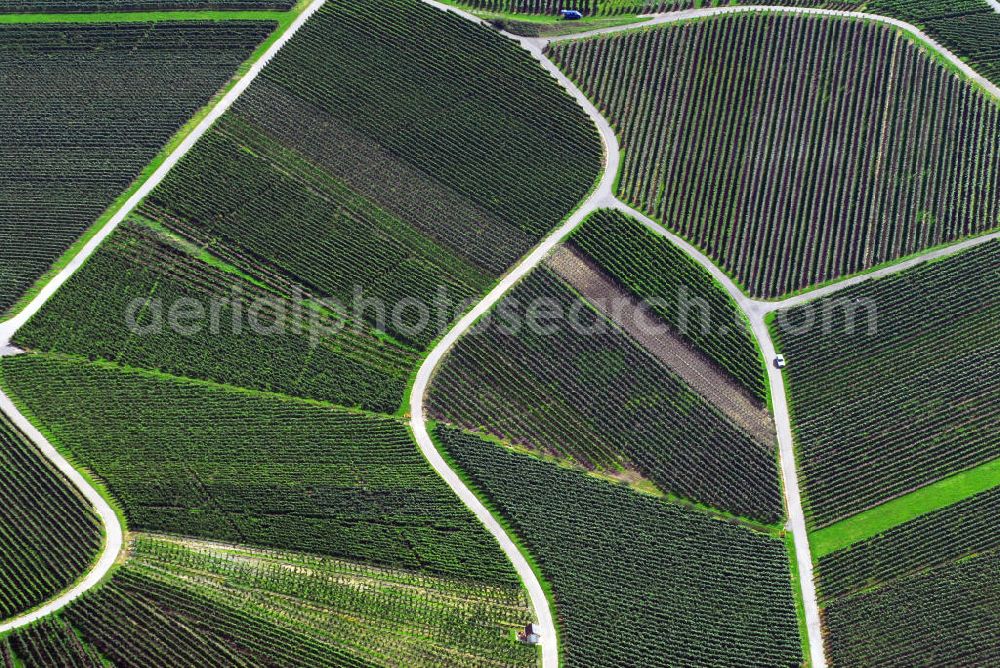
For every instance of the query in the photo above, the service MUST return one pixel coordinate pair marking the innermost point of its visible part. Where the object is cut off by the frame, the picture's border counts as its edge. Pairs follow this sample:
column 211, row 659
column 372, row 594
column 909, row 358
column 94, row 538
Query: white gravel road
column 603, row 196
column 113, row 541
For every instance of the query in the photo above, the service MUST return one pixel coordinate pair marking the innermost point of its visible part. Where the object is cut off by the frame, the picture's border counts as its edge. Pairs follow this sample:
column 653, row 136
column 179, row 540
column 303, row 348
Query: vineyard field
column 512, row 141
column 73, row 140
column 634, row 576
column 967, row 28
column 787, row 161
column 50, row 642
column 287, row 348
column 683, row 293
column 48, row 534
column 575, row 386
column 620, row 7
column 962, row 529
column 80, row 6
column 191, row 458
column 271, row 214
column 429, row 176
column 947, row 616
column 893, row 384
column 287, row 608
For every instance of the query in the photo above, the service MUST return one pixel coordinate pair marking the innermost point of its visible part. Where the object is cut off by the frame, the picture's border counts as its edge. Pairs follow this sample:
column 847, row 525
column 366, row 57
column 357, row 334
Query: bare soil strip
column 652, row 333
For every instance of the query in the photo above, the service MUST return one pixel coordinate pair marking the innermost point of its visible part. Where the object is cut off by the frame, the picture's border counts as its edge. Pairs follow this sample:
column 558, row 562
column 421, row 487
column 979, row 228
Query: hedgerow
column 946, row 616
column 634, row 577
column 257, row 337
column 196, row 459
column 48, row 534
column 680, row 290
column 967, row 527
column 73, row 141
column 892, row 382
column 582, row 389
column 805, row 149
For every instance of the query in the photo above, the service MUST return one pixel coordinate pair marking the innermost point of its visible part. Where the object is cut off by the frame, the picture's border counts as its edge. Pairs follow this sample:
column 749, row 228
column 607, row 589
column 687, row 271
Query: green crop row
column 634, row 577
column 184, row 602
column 192, row 458
column 683, row 293
column 576, row 386
column 805, row 149
column 118, row 307
column 968, row 527
column 80, row 6
column 48, row 533
column 892, row 382
column 946, row 616
column 619, row 7
column 73, row 141
column 369, row 165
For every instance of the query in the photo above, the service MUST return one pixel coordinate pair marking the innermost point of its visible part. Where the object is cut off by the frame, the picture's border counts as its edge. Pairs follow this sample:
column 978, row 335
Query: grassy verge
column 927, row 499
column 502, row 521
column 284, row 20
column 800, row 606
column 93, row 482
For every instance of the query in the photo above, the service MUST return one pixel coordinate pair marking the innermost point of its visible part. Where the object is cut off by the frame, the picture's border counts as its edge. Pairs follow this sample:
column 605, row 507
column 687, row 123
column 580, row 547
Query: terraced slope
column 678, row 584
column 808, row 148
column 48, row 534
column 893, row 384
column 201, row 460
column 73, row 141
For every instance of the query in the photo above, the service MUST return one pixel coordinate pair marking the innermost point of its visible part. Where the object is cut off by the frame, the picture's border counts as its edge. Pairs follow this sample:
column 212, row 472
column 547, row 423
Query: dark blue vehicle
column 571, row 14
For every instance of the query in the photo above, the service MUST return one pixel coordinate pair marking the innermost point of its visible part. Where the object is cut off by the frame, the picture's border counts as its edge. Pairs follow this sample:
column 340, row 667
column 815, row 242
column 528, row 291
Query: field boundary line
column 114, row 538
column 813, row 294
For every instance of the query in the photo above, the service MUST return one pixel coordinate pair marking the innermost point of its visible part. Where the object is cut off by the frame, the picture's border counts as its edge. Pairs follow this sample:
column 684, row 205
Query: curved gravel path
column 114, row 539
column 604, row 197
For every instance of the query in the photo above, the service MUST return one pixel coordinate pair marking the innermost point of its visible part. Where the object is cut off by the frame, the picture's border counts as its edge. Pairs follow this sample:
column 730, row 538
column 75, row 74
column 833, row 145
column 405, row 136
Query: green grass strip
column 147, row 17
column 902, row 509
